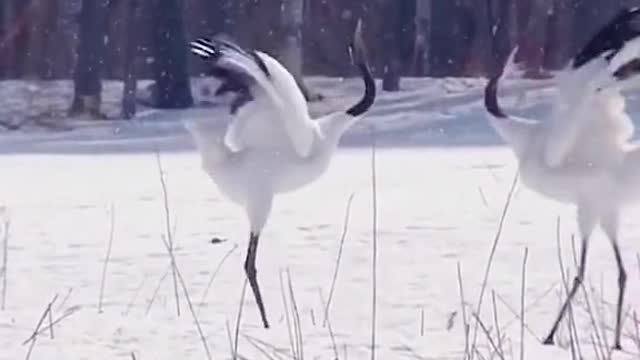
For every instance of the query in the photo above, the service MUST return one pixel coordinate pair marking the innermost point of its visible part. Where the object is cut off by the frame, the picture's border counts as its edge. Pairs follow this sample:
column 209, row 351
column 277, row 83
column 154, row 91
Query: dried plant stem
column 34, row 335
column 292, row 344
column 230, row 338
column 5, row 257
column 50, row 322
column 107, row 257
column 522, row 301
column 259, row 348
column 601, row 340
column 636, row 331
column 374, row 277
column 296, row 319
column 278, row 352
column 494, row 246
column 239, row 319
column 465, row 321
column 330, row 328
column 565, row 283
column 496, row 321
column 135, row 296
column 488, row 336
column 214, row 274
column 168, row 243
column 422, row 321
column 167, row 221
column 55, row 322
column 66, row 297
column 345, row 228
column 188, row 298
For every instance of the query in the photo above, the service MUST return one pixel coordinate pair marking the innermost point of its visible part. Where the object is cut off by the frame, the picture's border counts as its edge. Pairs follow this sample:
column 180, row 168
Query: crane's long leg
column 610, row 226
column 622, row 284
column 577, row 281
column 250, row 270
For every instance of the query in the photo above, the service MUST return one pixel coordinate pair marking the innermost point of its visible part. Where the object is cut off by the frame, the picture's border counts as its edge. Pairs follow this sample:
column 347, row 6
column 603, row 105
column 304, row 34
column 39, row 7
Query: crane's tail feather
column 237, row 69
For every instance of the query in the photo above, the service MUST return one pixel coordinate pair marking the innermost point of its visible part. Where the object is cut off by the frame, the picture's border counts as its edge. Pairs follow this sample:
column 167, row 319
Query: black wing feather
column 233, row 81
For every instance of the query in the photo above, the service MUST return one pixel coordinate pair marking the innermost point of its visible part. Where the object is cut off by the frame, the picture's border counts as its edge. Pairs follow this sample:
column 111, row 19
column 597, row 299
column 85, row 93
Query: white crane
column 582, row 154
column 271, row 145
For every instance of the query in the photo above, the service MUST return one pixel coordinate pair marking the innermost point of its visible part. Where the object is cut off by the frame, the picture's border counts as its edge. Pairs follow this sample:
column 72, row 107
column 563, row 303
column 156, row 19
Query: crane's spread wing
column 589, row 109
column 268, row 108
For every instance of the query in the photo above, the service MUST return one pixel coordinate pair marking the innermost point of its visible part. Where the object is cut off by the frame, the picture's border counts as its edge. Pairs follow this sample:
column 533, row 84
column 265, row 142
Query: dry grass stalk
column 34, row 335
column 230, row 338
column 260, row 348
column 522, row 301
column 565, row 287
column 496, row 322
column 465, row 322
column 239, row 319
column 290, row 332
column 330, row 328
column 636, row 333
column 183, row 284
column 296, row 318
column 214, row 274
column 166, row 273
column 487, row 334
column 50, row 322
column 345, row 229
column 374, row 277
column 66, row 297
column 277, row 352
column 168, row 233
column 42, row 330
column 600, row 338
column 107, row 257
column 5, row 258
column 134, row 297
column 494, row 246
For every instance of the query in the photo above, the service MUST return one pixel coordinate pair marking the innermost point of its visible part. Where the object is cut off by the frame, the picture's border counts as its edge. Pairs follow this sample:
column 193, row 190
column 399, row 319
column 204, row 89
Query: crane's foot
column 549, row 340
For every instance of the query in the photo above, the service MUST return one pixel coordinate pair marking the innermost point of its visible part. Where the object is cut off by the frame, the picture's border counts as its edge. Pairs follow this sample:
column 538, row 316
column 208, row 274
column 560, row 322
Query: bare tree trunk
column 7, row 47
column 481, row 42
column 131, row 47
column 172, row 86
column 392, row 44
column 87, row 84
column 560, row 47
column 291, row 50
column 533, row 39
column 421, row 49
column 37, row 33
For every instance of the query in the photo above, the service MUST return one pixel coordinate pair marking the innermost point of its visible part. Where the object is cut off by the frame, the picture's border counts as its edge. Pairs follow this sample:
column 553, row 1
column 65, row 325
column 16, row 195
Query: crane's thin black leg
column 622, row 283
column 576, row 284
column 250, row 270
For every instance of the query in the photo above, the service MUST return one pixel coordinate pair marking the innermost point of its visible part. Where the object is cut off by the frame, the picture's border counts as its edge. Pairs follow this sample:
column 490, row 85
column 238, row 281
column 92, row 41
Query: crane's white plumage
column 581, row 153
column 271, row 144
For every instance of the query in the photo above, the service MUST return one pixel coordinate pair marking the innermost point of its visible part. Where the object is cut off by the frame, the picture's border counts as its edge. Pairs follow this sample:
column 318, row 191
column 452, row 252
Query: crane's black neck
column 369, row 92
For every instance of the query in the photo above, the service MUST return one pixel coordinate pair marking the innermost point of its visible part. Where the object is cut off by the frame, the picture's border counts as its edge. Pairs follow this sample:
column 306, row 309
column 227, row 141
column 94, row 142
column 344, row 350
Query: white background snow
column 443, row 178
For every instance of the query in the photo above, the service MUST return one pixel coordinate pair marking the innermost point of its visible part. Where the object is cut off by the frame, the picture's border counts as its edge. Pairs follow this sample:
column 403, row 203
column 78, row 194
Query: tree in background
column 172, row 87
column 91, row 47
column 290, row 52
column 398, row 40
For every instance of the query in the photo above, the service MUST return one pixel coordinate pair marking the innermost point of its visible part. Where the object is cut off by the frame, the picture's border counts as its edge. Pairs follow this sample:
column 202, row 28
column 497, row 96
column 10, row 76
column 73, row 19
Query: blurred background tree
column 41, row 39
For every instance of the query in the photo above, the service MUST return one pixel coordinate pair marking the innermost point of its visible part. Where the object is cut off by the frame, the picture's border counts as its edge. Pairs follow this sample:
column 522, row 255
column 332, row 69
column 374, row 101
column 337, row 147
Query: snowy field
column 67, row 191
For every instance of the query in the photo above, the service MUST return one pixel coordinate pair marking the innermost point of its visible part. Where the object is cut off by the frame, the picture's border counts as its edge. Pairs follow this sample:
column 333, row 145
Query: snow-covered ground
column 425, row 112
column 438, row 206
